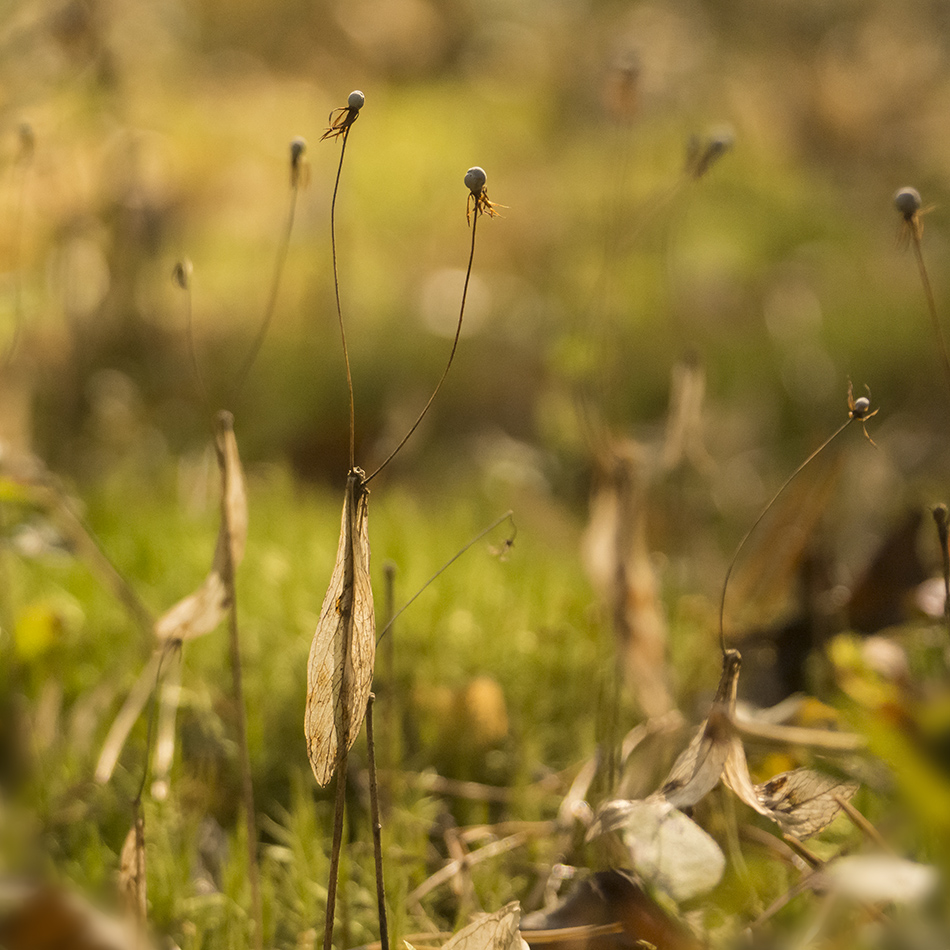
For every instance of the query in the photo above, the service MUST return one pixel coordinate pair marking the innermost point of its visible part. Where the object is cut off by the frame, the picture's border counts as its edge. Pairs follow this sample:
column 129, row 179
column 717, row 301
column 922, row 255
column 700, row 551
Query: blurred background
column 138, row 134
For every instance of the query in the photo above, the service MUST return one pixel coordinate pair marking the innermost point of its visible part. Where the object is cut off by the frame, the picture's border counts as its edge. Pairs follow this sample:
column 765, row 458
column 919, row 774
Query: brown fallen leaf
column 607, row 911
column 803, row 802
column 343, row 651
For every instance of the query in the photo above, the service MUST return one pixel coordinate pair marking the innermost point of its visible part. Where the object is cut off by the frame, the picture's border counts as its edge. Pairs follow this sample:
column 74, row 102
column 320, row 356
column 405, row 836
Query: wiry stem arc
column 931, row 302
column 339, row 308
column 765, row 511
column 448, row 365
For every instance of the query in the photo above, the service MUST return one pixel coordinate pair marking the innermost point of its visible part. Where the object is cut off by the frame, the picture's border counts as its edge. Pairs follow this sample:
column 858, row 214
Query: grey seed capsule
column 907, row 201
column 355, row 100
column 475, row 179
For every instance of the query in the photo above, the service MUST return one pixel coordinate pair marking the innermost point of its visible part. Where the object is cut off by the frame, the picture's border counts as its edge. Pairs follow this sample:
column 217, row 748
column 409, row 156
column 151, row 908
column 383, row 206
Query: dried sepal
column 478, row 203
column 343, row 651
column 697, row 770
column 132, row 873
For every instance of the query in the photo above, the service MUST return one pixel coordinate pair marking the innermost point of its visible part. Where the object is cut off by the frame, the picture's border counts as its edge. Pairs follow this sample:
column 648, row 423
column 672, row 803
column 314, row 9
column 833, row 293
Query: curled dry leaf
column 343, row 651
column 803, row 802
column 697, row 770
column 202, row 611
column 497, row 931
column 198, row 613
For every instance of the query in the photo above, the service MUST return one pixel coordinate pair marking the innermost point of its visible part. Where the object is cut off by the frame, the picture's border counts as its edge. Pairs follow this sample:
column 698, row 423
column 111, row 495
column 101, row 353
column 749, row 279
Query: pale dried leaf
column 497, row 931
column 200, row 612
column 697, row 770
column 132, row 877
column 735, row 776
column 126, row 719
column 880, row 878
column 617, row 558
column 670, row 850
column 343, row 651
column 803, row 802
column 165, row 732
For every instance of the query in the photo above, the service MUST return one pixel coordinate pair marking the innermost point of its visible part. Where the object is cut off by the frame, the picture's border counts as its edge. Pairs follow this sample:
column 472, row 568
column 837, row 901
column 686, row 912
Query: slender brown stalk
column 271, row 305
column 943, row 534
column 377, row 826
column 915, row 235
column 338, row 810
column 765, row 511
column 448, row 365
column 339, row 309
column 444, row 567
column 247, row 785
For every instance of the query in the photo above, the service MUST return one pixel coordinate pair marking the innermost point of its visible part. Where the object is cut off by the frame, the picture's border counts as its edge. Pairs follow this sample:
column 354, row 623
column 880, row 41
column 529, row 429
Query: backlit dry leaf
column 880, row 878
column 202, row 611
column 803, row 802
column 497, row 931
column 667, row 849
column 697, row 770
column 194, row 615
column 343, row 651
column 618, row 561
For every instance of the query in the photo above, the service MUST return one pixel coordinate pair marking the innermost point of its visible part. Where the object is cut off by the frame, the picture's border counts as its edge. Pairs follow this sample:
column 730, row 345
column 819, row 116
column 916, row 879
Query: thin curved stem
column 931, row 303
column 448, row 365
column 339, row 308
column 765, row 511
column 271, row 305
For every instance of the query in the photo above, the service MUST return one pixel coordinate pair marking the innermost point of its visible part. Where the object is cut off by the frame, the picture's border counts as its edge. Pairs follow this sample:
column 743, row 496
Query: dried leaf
column 200, row 612
column 618, row 561
column 343, row 651
column 697, row 770
column 497, row 931
column 879, row 878
column 803, row 802
column 670, row 850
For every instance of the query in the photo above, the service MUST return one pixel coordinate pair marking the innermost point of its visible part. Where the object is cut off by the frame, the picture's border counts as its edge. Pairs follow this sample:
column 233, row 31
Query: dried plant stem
column 448, row 365
column 271, row 304
column 860, row 822
column 765, row 511
column 339, row 308
column 338, row 810
column 192, row 347
column 377, row 827
column 444, row 567
column 23, row 165
column 247, row 786
column 915, row 232
column 943, row 534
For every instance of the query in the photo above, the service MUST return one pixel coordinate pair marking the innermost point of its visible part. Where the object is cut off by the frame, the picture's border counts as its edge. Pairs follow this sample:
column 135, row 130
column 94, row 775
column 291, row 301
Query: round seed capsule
column 861, row 406
column 298, row 146
column 355, row 100
column 475, row 179
column 907, row 201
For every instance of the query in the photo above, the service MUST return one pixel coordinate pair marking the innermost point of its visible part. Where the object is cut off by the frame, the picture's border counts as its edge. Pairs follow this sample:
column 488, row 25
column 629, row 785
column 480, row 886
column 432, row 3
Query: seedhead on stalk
column 341, row 119
column 475, row 179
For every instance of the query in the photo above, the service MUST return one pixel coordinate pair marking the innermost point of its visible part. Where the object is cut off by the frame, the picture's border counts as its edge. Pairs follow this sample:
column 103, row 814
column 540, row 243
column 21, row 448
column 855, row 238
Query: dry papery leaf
column 881, row 878
column 697, row 770
column 618, row 562
column 197, row 614
column 668, row 850
column 343, row 651
column 497, row 931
